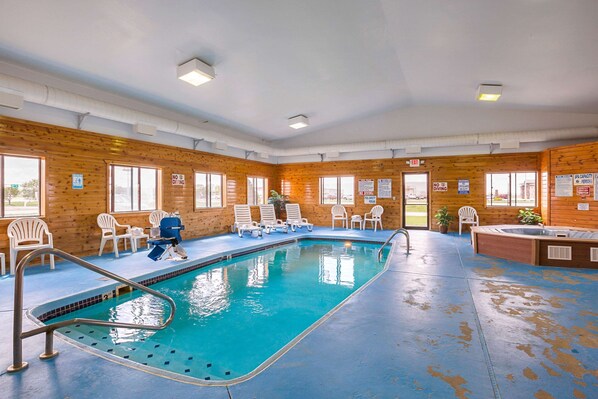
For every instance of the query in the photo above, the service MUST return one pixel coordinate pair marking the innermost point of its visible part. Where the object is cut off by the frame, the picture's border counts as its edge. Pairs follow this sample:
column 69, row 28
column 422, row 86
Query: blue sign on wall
column 463, row 187
column 77, row 181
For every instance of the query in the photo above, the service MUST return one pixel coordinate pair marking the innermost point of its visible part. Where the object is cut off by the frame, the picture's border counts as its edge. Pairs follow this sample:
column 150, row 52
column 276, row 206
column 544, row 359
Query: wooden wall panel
column 301, row 181
column 544, row 180
column 580, row 158
column 71, row 214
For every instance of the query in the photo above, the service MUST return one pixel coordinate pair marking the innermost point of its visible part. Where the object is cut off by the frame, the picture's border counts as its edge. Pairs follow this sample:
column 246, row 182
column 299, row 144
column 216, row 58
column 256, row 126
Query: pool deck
column 439, row 323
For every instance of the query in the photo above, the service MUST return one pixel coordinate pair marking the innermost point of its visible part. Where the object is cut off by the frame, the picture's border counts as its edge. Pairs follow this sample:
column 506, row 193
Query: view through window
column 208, row 190
column 20, row 178
column 133, row 188
column 337, row 190
column 511, row 189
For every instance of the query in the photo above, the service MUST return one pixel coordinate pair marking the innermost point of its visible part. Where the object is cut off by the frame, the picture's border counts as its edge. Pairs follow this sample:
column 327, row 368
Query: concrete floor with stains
column 439, row 323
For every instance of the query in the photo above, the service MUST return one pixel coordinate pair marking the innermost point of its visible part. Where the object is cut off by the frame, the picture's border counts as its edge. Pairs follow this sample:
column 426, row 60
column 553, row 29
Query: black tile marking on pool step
column 44, row 317
column 94, row 343
column 167, row 362
column 110, row 350
column 227, row 373
column 187, row 370
column 81, row 337
column 126, row 356
column 208, row 378
column 172, row 351
column 190, row 358
column 150, row 355
column 209, row 365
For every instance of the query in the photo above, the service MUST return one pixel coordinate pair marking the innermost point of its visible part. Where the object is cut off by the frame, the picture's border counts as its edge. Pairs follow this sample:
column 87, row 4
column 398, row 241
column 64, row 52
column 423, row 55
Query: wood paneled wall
column 71, row 214
column 580, row 158
column 301, row 182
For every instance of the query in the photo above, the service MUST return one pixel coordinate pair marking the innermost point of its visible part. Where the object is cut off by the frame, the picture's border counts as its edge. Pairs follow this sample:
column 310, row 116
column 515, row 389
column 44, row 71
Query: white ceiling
column 334, row 61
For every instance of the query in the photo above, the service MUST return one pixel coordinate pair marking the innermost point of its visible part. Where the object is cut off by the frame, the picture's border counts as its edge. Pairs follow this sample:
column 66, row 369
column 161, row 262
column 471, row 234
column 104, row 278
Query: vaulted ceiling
column 335, row 61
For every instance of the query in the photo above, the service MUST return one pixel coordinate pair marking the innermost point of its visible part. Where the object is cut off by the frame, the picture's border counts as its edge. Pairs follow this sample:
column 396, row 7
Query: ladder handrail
column 397, row 231
column 19, row 335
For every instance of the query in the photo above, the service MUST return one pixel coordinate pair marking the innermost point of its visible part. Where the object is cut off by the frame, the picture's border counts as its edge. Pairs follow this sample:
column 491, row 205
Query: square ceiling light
column 195, row 72
column 299, row 121
column 489, row 92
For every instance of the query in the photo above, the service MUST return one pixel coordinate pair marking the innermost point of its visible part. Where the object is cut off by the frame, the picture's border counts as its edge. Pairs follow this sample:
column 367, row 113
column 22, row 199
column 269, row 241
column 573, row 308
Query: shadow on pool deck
column 440, row 323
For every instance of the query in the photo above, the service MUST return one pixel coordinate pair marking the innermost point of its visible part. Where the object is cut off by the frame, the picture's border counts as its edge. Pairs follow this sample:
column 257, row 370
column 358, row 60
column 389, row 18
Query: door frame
column 404, row 201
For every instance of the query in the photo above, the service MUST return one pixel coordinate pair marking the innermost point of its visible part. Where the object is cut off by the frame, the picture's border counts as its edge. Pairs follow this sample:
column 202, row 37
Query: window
column 208, row 190
column 133, row 188
column 20, row 180
column 511, row 189
column 257, row 189
column 337, row 190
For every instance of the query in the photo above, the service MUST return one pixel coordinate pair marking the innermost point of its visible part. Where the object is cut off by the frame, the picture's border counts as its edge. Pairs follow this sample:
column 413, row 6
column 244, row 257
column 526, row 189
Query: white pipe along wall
column 57, row 98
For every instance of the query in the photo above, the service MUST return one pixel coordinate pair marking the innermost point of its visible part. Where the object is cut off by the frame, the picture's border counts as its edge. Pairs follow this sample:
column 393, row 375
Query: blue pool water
column 234, row 315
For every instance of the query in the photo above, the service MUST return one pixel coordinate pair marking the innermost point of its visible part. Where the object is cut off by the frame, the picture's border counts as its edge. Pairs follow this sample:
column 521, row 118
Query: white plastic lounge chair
column 243, row 222
column 294, row 218
column 468, row 215
column 339, row 213
column 156, row 216
column 27, row 234
column 374, row 216
column 108, row 224
column 269, row 221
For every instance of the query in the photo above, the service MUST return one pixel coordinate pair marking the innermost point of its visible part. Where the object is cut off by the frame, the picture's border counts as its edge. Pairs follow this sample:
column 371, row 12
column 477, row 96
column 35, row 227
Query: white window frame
column 512, row 197
column 138, row 187
column 339, row 199
column 209, row 204
column 40, row 178
column 252, row 194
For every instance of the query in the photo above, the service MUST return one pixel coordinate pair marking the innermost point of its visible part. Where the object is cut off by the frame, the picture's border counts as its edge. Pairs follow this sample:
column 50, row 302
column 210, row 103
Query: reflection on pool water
column 234, row 315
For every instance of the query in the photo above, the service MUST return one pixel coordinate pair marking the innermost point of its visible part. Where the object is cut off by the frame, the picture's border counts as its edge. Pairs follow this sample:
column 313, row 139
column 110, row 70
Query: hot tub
column 537, row 245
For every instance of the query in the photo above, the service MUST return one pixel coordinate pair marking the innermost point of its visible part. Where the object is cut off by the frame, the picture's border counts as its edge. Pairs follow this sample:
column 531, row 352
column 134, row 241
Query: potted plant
column 279, row 201
column 443, row 219
column 528, row 216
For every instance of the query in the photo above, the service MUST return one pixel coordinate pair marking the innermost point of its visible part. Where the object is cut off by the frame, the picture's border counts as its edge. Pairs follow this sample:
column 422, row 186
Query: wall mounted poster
column 563, row 185
column 178, row 180
column 584, row 191
column 369, row 199
column 595, row 186
column 384, row 188
column 77, row 181
column 439, row 186
column 366, row 187
column 583, row 179
column 463, row 187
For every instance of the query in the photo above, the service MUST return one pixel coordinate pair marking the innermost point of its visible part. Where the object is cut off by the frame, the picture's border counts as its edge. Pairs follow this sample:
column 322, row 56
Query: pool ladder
column 397, row 231
column 19, row 335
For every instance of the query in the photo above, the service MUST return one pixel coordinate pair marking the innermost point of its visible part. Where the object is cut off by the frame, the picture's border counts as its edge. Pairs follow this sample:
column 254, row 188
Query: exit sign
column 414, row 163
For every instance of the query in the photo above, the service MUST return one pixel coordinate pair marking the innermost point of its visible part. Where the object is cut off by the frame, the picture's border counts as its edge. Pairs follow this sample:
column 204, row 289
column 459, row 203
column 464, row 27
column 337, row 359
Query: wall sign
column 463, row 187
column 178, row 180
column 366, row 187
column 584, row 191
column 414, row 163
column 369, row 199
column 563, row 185
column 595, row 186
column 583, row 179
column 77, row 181
column 584, row 206
column 439, row 186
column 384, row 188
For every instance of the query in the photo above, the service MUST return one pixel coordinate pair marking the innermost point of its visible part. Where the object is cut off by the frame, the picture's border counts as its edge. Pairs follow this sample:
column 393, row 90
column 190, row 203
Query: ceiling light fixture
column 195, row 72
column 489, row 92
column 299, row 121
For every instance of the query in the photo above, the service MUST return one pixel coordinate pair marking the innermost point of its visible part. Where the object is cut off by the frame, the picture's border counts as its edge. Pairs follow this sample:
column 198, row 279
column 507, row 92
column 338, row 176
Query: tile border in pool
column 168, row 273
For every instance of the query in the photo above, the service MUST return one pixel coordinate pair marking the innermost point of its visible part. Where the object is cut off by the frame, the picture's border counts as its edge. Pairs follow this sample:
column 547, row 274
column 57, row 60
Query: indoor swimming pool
column 235, row 317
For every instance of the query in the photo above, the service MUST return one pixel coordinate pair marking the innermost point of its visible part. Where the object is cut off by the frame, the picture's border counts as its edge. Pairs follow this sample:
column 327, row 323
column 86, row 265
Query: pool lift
column 49, row 353
column 397, row 231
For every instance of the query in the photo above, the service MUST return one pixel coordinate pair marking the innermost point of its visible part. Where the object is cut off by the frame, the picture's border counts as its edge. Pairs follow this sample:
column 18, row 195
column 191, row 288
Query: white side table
column 2, row 263
column 356, row 219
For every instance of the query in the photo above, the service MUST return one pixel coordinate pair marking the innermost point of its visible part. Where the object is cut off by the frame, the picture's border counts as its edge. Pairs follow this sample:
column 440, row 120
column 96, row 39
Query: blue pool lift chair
column 169, row 240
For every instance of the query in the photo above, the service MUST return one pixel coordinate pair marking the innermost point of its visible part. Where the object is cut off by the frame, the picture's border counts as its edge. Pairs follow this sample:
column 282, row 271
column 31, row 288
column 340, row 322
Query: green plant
column 443, row 218
column 528, row 216
column 279, row 201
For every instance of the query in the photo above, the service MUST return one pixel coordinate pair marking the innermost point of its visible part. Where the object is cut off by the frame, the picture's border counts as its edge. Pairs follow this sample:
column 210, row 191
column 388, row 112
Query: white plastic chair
column 243, row 222
column 340, row 213
column 156, row 216
column 294, row 218
column 268, row 219
column 468, row 215
column 375, row 217
column 27, row 234
column 108, row 224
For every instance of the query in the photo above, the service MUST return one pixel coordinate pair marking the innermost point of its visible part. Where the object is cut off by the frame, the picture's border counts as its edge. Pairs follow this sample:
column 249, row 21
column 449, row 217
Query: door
column 415, row 201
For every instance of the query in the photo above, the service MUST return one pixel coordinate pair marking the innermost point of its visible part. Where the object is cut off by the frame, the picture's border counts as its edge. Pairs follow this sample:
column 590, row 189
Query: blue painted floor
column 439, row 323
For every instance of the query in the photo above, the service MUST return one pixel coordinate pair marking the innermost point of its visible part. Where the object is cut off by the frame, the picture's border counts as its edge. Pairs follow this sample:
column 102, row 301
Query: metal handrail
column 402, row 231
column 19, row 335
